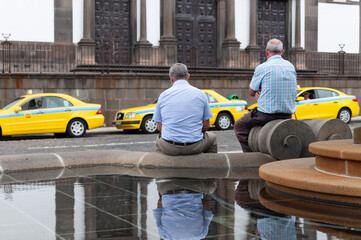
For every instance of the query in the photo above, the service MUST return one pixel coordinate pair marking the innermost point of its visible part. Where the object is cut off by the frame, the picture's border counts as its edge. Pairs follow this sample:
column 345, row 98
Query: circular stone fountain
column 332, row 176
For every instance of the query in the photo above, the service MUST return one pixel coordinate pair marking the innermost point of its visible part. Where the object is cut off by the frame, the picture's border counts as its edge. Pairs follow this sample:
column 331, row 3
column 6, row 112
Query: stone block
column 137, row 93
column 331, row 165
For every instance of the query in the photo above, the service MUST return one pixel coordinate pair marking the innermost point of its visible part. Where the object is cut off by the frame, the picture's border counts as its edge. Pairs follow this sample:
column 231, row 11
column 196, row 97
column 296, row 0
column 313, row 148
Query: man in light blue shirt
column 274, row 84
column 182, row 114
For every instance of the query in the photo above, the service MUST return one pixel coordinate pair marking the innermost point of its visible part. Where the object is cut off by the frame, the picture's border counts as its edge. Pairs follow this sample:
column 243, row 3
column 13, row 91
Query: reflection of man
column 274, row 84
column 182, row 114
column 270, row 225
column 183, row 211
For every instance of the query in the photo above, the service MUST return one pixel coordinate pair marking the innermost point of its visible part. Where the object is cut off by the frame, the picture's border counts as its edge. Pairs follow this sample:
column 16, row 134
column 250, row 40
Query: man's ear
column 188, row 76
column 283, row 51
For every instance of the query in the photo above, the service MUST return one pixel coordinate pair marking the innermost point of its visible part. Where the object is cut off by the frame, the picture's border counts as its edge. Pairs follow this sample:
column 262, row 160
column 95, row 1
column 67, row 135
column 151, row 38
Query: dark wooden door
column 196, row 31
column 112, row 32
column 272, row 23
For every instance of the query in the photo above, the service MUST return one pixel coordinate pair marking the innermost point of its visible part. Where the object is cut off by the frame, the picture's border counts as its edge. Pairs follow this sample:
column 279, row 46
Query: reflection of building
column 114, row 207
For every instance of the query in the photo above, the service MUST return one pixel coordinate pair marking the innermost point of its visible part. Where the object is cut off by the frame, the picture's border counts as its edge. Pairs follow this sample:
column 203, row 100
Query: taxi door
column 329, row 105
column 308, row 109
column 57, row 113
column 30, row 119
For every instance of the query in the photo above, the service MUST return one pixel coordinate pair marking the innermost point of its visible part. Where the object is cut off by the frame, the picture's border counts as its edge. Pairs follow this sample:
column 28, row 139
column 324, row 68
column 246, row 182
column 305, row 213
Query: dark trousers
column 243, row 126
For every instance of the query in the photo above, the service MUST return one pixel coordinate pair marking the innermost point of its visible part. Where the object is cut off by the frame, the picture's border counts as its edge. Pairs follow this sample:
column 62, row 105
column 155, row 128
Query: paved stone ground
column 107, row 138
column 99, row 139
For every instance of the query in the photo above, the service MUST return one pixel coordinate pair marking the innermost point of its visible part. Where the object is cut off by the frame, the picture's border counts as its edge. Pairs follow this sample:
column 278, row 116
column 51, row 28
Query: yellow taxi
column 225, row 113
column 56, row 113
column 324, row 103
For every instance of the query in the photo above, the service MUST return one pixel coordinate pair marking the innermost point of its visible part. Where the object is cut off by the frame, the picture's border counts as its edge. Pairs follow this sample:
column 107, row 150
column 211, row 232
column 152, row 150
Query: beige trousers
column 208, row 144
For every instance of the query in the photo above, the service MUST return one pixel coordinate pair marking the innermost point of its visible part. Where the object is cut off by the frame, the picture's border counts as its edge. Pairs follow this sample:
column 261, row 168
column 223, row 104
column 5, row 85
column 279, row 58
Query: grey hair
column 178, row 71
column 275, row 46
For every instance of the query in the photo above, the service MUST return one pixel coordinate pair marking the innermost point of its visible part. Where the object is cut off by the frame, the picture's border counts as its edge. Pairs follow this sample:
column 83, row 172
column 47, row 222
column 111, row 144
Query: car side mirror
column 300, row 99
column 18, row 109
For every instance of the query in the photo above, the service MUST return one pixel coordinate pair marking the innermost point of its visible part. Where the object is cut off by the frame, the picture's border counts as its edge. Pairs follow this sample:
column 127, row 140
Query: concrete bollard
column 330, row 129
column 282, row 139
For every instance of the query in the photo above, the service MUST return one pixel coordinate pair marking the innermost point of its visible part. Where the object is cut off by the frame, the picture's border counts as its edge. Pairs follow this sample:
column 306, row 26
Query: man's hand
column 257, row 94
column 159, row 126
column 205, row 125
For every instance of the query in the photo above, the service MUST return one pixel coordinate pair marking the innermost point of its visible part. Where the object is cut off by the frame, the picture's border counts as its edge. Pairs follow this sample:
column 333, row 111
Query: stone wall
column 119, row 91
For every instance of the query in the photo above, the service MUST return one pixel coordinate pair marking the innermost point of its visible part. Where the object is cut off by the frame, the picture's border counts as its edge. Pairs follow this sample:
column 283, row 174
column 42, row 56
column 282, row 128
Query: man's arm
column 252, row 92
column 205, row 125
column 159, row 126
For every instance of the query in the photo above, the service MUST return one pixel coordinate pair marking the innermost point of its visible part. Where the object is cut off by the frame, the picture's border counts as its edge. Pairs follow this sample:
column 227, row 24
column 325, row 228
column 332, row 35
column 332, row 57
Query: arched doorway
column 196, row 31
column 272, row 23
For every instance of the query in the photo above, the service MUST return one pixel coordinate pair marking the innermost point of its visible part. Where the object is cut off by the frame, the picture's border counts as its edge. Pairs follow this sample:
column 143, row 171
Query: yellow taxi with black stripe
column 324, row 103
column 56, row 113
column 225, row 113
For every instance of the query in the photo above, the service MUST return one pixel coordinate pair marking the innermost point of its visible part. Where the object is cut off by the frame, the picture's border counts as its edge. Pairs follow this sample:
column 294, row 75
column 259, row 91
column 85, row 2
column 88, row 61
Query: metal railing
column 333, row 63
column 37, row 57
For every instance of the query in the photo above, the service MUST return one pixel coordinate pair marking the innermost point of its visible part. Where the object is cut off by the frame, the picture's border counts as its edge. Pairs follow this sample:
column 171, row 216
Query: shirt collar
column 274, row 57
column 180, row 81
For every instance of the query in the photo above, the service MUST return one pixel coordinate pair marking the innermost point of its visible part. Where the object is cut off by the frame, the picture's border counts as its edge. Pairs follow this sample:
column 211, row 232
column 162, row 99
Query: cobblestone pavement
column 98, row 139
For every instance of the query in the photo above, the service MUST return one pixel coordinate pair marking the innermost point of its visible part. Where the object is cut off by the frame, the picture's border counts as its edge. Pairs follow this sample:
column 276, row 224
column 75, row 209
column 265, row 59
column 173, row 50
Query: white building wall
column 242, row 19
column 78, row 13
column 27, row 20
column 153, row 21
column 338, row 24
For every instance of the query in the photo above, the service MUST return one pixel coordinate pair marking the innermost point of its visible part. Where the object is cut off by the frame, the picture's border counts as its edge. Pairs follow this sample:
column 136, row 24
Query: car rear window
column 322, row 93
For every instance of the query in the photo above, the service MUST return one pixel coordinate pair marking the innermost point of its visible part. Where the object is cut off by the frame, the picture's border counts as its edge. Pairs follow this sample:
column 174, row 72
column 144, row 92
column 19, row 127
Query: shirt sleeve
column 157, row 116
column 207, row 110
column 256, row 79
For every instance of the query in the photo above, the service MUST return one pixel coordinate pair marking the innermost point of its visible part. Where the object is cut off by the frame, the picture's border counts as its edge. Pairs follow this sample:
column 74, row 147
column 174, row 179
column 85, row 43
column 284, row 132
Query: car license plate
column 117, row 123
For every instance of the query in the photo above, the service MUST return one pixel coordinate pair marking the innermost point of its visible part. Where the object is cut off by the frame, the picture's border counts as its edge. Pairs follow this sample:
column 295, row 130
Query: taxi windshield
column 12, row 103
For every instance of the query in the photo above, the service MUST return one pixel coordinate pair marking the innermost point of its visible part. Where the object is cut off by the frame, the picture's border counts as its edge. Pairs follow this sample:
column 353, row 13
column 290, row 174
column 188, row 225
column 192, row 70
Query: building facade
column 199, row 33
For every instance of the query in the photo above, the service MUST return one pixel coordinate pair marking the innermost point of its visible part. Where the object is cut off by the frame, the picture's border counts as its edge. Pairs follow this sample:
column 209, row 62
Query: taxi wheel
column 345, row 115
column 223, row 121
column 76, row 128
column 149, row 125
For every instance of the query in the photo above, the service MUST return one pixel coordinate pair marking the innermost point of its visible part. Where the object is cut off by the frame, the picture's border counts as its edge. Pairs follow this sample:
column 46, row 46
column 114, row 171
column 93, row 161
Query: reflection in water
column 183, row 211
column 125, row 207
column 270, row 225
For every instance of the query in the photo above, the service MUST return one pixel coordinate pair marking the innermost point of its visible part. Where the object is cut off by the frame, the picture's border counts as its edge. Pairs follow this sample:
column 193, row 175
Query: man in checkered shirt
column 274, row 84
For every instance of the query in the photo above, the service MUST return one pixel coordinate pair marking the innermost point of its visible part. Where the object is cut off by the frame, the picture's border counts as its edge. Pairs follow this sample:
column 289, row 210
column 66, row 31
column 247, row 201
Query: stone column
column 86, row 46
column 221, row 29
column 90, row 211
column 143, row 46
column 231, row 51
column 360, row 29
column 311, row 25
column 253, row 49
column 64, row 207
column 297, row 53
column 168, row 42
